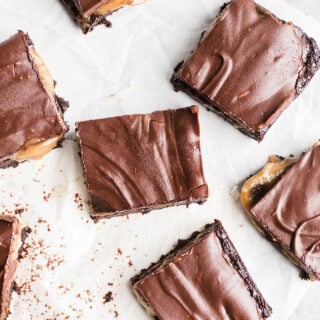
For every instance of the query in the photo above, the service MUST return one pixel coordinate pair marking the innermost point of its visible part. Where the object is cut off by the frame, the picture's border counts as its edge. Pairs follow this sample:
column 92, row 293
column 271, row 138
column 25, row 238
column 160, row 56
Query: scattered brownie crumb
column 119, row 252
column 40, row 220
column 107, row 297
column 130, row 263
column 46, row 196
column 116, row 314
column 78, row 200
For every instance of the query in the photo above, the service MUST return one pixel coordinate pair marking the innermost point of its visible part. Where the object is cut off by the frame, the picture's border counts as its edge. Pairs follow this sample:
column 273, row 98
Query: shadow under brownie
column 201, row 278
column 249, row 66
column 137, row 163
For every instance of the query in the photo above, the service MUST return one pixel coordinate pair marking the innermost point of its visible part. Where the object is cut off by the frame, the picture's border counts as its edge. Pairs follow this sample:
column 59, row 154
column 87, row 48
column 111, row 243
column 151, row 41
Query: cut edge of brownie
column 311, row 66
column 306, row 272
column 228, row 249
column 147, row 209
column 89, row 23
column 19, row 234
column 59, row 103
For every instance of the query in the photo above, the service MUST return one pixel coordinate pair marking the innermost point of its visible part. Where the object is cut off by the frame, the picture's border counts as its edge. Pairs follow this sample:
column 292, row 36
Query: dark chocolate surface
column 249, row 67
column 290, row 211
column 203, row 279
column 26, row 110
column 139, row 162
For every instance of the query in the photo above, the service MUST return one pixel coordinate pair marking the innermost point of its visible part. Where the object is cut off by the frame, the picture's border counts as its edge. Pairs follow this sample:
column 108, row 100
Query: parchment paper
column 71, row 263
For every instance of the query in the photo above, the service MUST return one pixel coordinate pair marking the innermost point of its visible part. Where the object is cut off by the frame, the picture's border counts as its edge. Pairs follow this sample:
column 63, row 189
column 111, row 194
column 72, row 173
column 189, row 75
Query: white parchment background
column 72, row 262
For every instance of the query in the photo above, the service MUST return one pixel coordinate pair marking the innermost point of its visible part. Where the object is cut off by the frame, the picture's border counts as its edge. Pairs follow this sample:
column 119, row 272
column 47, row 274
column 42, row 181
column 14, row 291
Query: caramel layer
column 112, row 6
column 35, row 149
column 265, row 179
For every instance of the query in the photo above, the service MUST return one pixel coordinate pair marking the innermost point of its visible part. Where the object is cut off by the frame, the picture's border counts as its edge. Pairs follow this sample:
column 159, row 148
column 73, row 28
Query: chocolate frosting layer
column 290, row 211
column 138, row 162
column 250, row 65
column 205, row 279
column 26, row 110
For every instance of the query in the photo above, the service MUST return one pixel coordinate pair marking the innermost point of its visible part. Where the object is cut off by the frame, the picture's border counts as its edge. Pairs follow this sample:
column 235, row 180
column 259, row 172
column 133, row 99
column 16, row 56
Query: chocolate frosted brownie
column 283, row 200
column 11, row 240
column 137, row 163
column 91, row 13
column 31, row 114
column 201, row 278
column 249, row 66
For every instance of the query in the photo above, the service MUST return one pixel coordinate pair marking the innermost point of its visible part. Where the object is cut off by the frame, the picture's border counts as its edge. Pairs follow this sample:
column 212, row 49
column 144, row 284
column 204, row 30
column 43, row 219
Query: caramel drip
column 35, row 149
column 266, row 177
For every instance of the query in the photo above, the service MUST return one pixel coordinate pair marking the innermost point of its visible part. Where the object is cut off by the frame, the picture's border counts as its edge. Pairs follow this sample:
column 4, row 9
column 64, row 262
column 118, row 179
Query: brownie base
column 87, row 24
column 229, row 249
column 145, row 210
column 311, row 66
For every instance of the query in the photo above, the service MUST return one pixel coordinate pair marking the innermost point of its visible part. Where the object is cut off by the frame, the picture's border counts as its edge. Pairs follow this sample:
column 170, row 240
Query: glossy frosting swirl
column 200, row 282
column 248, row 64
column 140, row 161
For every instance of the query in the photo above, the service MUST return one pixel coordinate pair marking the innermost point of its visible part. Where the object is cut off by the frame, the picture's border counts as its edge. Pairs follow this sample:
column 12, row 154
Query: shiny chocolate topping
column 201, row 282
column 290, row 211
column 141, row 161
column 5, row 242
column 27, row 112
column 249, row 64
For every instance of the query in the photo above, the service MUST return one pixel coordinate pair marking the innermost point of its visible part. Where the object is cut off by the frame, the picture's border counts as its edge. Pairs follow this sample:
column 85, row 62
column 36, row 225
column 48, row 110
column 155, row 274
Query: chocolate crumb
column 107, row 297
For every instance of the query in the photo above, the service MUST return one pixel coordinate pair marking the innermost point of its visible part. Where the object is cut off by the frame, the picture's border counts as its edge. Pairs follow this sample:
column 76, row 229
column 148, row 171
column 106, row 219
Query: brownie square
column 91, row 13
column 31, row 114
column 12, row 236
column 201, row 278
column 283, row 200
column 249, row 66
column 137, row 163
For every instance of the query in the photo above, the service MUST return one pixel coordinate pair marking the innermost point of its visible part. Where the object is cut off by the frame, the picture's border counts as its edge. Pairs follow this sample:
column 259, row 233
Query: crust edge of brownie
column 228, row 248
column 61, row 104
column 86, row 24
column 311, row 66
column 305, row 272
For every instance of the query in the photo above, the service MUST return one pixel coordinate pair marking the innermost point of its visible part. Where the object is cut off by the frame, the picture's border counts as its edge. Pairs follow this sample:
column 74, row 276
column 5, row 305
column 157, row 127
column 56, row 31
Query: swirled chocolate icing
column 290, row 211
column 27, row 111
column 249, row 66
column 139, row 162
column 205, row 279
